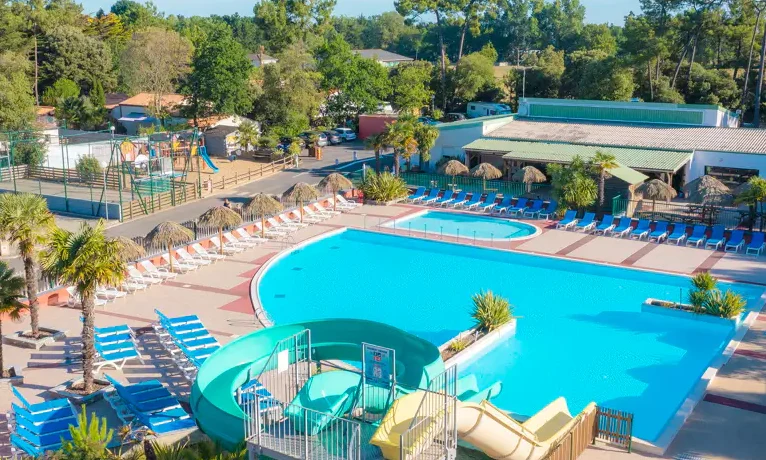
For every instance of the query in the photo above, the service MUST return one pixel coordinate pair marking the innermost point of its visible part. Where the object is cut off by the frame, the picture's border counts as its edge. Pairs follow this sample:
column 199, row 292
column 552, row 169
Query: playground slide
column 329, row 394
column 206, row 158
column 485, row 427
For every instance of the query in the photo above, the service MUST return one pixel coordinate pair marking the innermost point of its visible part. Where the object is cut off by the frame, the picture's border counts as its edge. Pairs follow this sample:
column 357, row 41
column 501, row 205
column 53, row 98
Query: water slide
column 212, row 398
column 203, row 153
column 484, row 427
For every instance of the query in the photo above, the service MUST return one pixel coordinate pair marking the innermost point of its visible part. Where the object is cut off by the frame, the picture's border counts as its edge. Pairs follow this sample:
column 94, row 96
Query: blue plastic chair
column 419, row 194
column 736, row 241
column 519, row 207
column 475, row 201
column 587, row 222
column 698, row 235
column 756, row 245
column 446, row 198
column 503, row 205
column 623, row 227
column 678, row 235
column 717, row 238
column 660, row 231
column 641, row 230
column 606, row 225
column 535, row 209
column 459, row 200
column 488, row 203
column 549, row 211
column 570, row 218
column 432, row 196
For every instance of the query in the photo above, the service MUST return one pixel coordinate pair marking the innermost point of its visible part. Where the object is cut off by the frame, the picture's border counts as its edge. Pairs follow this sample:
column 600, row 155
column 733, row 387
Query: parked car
column 346, row 134
column 454, row 116
column 321, row 137
column 332, row 137
column 284, row 143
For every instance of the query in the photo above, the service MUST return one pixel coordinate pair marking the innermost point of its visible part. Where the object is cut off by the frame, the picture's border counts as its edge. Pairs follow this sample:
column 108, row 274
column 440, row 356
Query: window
column 732, row 177
column 473, row 107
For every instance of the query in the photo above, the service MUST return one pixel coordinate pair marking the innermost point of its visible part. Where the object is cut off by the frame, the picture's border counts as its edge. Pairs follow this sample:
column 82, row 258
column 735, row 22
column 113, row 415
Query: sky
column 597, row 11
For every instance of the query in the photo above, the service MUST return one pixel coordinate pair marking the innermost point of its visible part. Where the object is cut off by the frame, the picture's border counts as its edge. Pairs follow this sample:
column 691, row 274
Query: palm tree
column 400, row 135
column 752, row 193
column 85, row 260
column 425, row 136
column 262, row 205
column 301, row 193
column 333, row 183
column 602, row 163
column 377, row 142
column 11, row 305
column 247, row 135
column 168, row 234
column 25, row 220
column 220, row 217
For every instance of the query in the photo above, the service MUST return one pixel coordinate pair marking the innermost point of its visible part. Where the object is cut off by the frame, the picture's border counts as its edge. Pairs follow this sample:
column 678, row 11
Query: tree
column 602, row 163
column 400, row 135
column 597, row 37
column 25, row 221
column 544, row 74
column 473, row 73
column 560, row 22
column 11, row 305
column 69, row 53
column 17, row 104
column 377, row 142
column 594, row 75
column 572, row 184
column 425, row 136
column 220, row 78
column 85, row 259
column 155, row 61
column 137, row 16
column 89, row 439
column 63, row 88
column 410, row 89
column 285, row 22
column 247, row 135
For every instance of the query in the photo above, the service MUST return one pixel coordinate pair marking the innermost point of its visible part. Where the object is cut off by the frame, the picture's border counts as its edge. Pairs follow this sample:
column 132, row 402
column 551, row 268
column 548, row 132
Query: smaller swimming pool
column 464, row 225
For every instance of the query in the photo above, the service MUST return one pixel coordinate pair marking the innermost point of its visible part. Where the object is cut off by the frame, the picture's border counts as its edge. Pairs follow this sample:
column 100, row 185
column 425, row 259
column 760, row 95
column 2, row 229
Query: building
column 385, row 58
column 136, row 112
column 221, row 138
column 259, row 59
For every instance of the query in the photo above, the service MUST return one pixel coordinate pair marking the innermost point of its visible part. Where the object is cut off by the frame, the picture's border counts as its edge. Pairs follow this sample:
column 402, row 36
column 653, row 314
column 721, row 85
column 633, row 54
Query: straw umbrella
column 529, row 175
column 262, row 205
column 333, row 183
column 128, row 250
column 168, row 234
column 656, row 189
column 487, row 172
column 453, row 168
column 301, row 193
column 707, row 190
column 220, row 216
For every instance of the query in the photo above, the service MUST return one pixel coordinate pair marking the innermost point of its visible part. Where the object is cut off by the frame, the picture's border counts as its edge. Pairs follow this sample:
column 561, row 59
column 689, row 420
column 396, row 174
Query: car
column 284, row 143
column 346, row 134
column 454, row 116
column 321, row 138
column 427, row 121
column 332, row 137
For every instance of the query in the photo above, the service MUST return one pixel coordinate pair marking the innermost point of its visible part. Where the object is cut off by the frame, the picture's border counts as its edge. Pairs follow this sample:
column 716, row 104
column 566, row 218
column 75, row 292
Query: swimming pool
column 464, row 225
column 581, row 333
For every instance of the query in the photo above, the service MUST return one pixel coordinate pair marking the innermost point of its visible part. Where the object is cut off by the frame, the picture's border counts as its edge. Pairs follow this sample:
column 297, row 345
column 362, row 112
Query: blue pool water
column 580, row 334
column 464, row 225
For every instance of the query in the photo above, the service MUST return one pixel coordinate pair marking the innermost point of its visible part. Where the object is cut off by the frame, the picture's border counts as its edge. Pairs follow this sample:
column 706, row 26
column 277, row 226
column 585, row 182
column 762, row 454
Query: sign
column 379, row 365
column 283, row 361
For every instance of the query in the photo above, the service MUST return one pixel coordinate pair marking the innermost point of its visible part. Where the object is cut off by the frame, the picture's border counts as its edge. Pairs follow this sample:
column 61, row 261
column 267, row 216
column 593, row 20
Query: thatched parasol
column 128, row 250
column 263, row 205
column 529, row 175
column 301, row 193
column 453, row 168
column 333, row 183
column 656, row 189
column 487, row 172
column 220, row 217
column 707, row 190
column 169, row 234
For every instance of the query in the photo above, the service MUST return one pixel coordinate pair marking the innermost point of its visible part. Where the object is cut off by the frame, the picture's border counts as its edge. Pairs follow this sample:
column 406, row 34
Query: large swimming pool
column 581, row 334
column 463, row 225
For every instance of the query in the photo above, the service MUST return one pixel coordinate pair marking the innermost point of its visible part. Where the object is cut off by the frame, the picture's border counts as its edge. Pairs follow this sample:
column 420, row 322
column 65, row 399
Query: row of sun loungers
column 115, row 346
column 38, row 428
column 187, row 341
column 511, row 206
column 661, row 232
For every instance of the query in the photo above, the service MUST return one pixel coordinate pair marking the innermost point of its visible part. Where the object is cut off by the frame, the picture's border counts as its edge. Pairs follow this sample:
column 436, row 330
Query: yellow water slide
column 485, row 427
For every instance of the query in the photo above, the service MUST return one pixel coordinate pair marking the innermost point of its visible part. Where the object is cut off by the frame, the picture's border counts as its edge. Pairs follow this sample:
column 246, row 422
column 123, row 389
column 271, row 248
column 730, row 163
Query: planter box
column 479, row 347
column 78, row 399
column 17, row 340
column 17, row 378
column 685, row 311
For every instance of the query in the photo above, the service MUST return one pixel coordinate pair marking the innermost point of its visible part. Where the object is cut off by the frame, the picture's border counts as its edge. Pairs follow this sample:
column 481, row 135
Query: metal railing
column 433, row 432
column 471, row 184
column 685, row 212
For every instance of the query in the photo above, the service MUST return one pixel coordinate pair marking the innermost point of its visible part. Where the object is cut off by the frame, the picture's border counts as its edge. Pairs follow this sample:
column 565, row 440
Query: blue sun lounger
column 249, row 391
column 660, row 231
column 418, row 195
column 433, row 195
column 503, row 205
column 624, row 227
column 115, row 353
column 549, row 211
column 698, row 235
column 678, row 235
column 459, row 200
column 535, row 209
column 606, row 225
column 475, row 201
column 756, row 245
column 38, row 428
column 488, row 203
column 716, row 240
column 641, row 230
column 446, row 198
column 587, row 222
column 519, row 207
column 570, row 218
column 736, row 241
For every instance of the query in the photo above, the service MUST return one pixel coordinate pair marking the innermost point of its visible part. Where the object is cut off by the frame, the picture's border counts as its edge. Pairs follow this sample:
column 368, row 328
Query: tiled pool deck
column 727, row 424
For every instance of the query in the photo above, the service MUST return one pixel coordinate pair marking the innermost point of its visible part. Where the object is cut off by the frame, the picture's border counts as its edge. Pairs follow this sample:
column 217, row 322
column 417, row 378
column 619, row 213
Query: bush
column 89, row 168
column 267, row 142
column 491, row 311
column 724, row 305
column 31, row 153
column 458, row 345
column 383, row 187
column 89, row 439
column 702, row 284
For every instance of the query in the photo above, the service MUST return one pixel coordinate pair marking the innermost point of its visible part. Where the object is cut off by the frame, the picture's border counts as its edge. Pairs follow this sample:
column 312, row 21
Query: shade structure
column 487, row 172
column 453, row 168
column 333, row 183
column 220, row 217
column 656, row 189
column 708, row 190
column 301, row 193
column 128, row 250
column 262, row 205
column 168, row 234
column 529, row 175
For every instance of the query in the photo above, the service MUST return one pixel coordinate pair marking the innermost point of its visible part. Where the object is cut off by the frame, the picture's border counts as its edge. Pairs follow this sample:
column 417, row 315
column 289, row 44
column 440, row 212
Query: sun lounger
column 243, row 235
column 606, row 225
column 623, row 227
column 418, row 195
column 461, row 200
column 549, row 211
column 488, row 203
column 317, row 216
column 569, row 220
column 75, row 300
column 716, row 240
column 137, row 276
column 265, row 399
column 109, row 293
column 736, row 241
column 698, row 236
column 534, row 210
column 41, row 407
column 518, row 208
column 287, row 227
column 660, row 231
column 178, row 266
column 587, row 223
column 205, row 254
column 432, row 196
column 678, row 235
column 289, row 222
column 473, row 202
column 42, row 427
column 446, row 198
column 161, row 273
column 756, row 245
column 503, row 205
column 345, row 203
column 226, row 248
column 190, row 259
column 234, row 241
column 115, row 353
column 270, row 232
column 322, row 210
column 642, row 230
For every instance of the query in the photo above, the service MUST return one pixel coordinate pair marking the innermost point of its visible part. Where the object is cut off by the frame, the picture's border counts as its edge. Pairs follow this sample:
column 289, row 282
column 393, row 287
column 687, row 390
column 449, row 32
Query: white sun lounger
column 159, row 273
column 132, row 286
column 109, row 293
column 74, row 298
column 179, row 266
column 234, row 241
column 243, row 235
column 288, row 222
column 135, row 275
column 270, row 231
column 317, row 215
column 282, row 226
column 205, row 254
column 189, row 259
column 344, row 203
column 321, row 209
column 226, row 248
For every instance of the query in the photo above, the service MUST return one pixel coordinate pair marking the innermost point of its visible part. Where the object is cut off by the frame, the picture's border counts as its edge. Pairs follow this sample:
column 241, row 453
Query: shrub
column 458, row 345
column 89, row 439
column 31, row 153
column 383, row 187
column 491, row 311
column 724, row 304
column 89, row 168
column 702, row 284
column 267, row 142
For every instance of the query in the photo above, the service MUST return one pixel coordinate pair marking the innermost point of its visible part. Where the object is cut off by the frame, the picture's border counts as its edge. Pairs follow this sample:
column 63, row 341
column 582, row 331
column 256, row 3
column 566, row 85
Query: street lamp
column 104, row 165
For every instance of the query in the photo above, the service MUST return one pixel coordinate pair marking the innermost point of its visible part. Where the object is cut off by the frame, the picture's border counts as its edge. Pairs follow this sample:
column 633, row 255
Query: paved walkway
column 728, row 424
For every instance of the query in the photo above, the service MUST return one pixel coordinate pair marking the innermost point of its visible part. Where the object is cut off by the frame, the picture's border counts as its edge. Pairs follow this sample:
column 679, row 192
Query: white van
column 485, row 109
